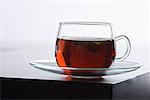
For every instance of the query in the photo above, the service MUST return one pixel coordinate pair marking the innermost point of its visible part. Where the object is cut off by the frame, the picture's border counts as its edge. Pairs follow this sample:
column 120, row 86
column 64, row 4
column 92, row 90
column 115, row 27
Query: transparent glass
column 117, row 68
column 87, row 45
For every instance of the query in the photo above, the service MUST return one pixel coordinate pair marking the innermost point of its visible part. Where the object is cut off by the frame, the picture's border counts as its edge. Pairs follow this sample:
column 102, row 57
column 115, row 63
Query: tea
column 84, row 52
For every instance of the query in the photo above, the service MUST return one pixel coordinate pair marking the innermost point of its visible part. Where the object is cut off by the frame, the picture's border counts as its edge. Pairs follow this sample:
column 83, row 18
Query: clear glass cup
column 87, row 45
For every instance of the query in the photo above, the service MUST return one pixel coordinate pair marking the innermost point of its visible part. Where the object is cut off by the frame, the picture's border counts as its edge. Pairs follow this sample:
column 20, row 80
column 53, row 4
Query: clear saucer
column 116, row 68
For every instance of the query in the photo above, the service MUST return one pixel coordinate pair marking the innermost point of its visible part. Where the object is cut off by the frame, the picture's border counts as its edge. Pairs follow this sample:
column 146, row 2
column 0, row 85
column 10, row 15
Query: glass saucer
column 116, row 68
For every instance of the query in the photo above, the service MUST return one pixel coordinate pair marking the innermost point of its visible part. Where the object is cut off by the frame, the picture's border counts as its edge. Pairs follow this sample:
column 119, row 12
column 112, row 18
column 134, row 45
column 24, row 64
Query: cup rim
column 85, row 23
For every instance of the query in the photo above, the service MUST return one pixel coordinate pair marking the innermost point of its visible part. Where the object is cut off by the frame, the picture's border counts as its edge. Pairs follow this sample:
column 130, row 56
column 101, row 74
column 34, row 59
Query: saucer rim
column 33, row 63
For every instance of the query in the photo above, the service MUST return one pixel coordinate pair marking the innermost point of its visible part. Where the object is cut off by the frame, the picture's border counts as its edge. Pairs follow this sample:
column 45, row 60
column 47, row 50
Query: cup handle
column 126, row 54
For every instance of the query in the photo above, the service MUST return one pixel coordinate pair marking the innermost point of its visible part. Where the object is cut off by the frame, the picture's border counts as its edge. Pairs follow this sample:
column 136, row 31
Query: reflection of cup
column 87, row 45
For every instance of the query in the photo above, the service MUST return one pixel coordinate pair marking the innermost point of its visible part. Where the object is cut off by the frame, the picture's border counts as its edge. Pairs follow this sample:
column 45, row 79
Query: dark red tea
column 85, row 52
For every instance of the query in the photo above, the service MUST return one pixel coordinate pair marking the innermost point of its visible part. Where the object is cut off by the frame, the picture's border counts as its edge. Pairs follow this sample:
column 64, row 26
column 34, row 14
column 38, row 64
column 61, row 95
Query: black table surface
column 20, row 80
column 137, row 88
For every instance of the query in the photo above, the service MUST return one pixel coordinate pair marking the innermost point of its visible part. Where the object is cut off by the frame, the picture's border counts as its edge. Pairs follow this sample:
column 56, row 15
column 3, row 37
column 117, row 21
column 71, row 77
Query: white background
column 38, row 21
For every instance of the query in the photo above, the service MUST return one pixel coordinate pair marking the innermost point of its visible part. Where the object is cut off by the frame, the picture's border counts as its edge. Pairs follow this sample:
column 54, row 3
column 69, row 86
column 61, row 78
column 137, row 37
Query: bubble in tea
column 85, row 52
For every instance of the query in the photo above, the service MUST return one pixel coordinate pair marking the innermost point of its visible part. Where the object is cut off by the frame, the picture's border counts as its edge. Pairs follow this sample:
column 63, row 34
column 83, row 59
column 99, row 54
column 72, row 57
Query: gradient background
column 36, row 21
